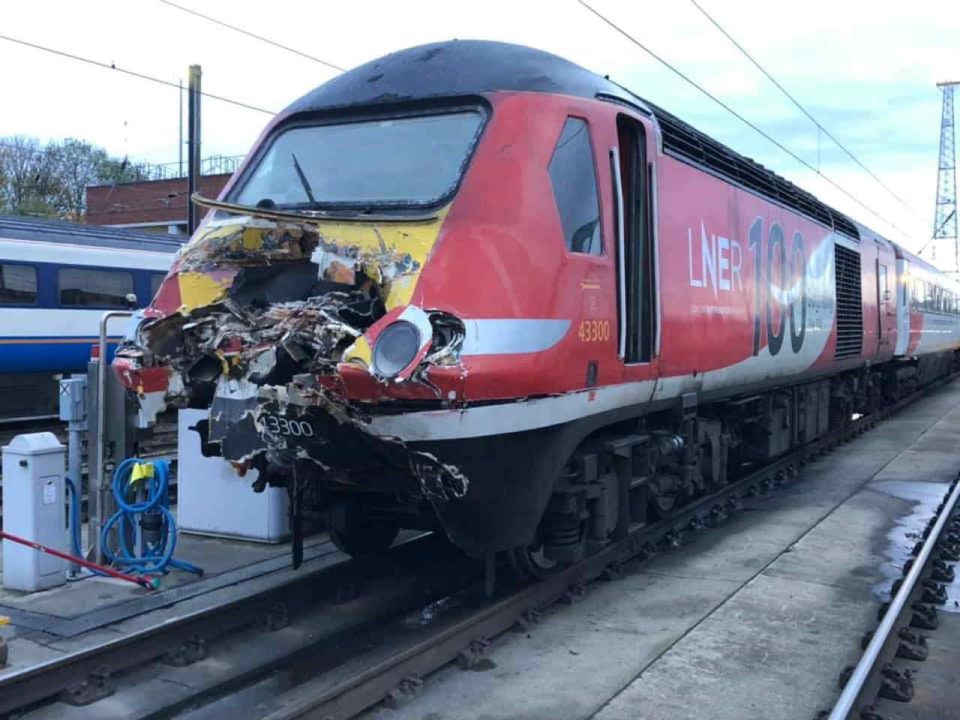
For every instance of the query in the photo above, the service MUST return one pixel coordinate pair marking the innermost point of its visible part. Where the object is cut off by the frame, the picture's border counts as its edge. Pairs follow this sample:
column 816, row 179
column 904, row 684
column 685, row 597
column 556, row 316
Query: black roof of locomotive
column 476, row 67
column 456, row 68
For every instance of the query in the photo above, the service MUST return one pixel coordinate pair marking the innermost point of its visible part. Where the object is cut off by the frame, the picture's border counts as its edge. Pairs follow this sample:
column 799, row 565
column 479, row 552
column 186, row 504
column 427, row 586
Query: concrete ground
column 752, row 620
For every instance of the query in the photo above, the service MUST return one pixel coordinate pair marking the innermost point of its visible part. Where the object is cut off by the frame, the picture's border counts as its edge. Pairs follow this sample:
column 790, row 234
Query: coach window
column 18, row 284
column 574, row 180
column 94, row 288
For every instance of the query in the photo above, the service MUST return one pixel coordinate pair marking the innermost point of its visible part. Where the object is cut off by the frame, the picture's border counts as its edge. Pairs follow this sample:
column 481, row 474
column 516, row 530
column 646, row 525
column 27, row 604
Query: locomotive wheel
column 358, row 532
column 530, row 562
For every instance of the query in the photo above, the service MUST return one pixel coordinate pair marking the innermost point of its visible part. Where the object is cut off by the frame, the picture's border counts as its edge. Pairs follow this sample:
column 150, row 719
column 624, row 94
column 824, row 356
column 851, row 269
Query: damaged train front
column 293, row 315
column 295, row 332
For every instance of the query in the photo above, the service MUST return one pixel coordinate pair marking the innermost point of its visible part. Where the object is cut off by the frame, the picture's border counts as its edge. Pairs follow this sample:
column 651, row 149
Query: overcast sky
column 865, row 70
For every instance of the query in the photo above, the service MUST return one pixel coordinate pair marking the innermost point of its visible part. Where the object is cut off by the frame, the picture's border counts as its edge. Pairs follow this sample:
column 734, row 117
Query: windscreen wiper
column 313, row 214
column 303, row 180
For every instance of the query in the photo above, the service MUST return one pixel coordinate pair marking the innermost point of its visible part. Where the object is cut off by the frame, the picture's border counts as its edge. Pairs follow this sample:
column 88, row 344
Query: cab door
column 633, row 181
column 886, row 294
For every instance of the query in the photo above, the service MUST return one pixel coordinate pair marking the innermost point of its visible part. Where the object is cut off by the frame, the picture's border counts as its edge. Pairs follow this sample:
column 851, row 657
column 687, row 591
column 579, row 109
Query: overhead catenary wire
column 254, row 35
column 131, row 73
column 802, row 109
column 737, row 115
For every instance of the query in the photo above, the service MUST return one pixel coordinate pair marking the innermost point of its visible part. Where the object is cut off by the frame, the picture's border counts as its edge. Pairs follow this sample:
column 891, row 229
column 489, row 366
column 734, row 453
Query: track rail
column 868, row 676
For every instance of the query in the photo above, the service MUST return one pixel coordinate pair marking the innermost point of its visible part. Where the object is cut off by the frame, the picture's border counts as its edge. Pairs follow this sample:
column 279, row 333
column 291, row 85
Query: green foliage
column 51, row 180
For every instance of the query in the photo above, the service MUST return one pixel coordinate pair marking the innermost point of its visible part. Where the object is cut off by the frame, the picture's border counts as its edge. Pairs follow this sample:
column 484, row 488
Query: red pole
column 147, row 581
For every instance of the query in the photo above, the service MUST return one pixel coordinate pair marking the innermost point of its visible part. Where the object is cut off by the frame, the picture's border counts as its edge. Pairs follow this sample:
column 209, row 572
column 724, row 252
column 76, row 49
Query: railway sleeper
column 910, row 646
column 97, row 685
column 896, row 684
column 275, row 617
column 923, row 616
column 474, row 655
column 405, row 692
column 191, row 650
column 526, row 620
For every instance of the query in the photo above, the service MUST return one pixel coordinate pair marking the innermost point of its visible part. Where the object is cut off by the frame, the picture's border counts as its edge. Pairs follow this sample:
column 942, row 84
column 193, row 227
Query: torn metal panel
column 275, row 320
column 304, row 421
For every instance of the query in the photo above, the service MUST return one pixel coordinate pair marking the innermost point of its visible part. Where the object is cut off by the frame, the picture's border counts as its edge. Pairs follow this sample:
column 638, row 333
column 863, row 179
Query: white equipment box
column 34, row 509
column 213, row 500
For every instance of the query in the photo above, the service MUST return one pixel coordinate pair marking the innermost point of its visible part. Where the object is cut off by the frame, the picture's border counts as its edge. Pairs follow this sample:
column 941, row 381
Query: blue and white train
column 56, row 280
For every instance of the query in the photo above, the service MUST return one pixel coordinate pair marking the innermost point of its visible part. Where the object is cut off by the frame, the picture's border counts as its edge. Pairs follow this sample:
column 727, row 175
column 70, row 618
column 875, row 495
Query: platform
column 753, row 620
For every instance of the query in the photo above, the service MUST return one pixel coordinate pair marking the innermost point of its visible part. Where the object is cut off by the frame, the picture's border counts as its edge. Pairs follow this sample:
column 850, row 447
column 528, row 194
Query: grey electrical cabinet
column 33, row 509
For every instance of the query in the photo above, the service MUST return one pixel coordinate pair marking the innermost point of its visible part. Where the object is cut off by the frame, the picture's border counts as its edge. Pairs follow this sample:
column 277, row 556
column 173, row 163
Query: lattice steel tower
column 946, row 246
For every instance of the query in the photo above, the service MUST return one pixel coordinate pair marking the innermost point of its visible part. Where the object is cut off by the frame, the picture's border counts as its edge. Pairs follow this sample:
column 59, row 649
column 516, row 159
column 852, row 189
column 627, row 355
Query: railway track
column 912, row 608
column 356, row 645
column 362, row 591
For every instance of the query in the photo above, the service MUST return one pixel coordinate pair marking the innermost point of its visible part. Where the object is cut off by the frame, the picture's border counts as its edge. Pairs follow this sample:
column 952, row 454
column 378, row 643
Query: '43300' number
column 594, row 330
column 279, row 425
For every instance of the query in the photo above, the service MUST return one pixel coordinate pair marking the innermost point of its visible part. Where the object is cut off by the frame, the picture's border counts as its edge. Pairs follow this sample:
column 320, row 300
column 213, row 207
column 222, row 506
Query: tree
column 27, row 177
column 77, row 164
column 51, row 180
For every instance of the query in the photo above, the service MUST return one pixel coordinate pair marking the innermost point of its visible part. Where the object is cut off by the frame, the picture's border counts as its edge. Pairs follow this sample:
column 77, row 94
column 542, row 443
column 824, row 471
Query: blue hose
column 150, row 557
column 74, row 516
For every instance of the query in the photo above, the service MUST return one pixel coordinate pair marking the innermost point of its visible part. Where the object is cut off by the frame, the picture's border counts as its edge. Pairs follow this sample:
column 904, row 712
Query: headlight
column 395, row 348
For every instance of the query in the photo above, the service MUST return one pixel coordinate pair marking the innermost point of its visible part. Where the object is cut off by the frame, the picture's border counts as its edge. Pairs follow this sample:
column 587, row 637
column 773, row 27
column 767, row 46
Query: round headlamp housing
column 395, row 348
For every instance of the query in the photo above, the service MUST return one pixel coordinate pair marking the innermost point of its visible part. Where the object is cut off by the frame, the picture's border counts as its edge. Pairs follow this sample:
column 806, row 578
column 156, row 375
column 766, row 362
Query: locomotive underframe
column 641, row 470
column 552, row 496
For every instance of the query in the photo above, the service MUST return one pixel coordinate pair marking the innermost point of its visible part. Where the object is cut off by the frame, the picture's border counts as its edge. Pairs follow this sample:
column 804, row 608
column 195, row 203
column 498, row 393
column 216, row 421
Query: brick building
column 149, row 205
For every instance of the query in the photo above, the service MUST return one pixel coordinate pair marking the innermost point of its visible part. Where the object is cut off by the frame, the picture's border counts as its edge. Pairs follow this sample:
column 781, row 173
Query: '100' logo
column 780, row 300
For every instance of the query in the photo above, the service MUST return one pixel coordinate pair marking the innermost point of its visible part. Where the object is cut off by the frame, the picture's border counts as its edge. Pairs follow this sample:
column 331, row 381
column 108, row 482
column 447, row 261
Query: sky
column 867, row 71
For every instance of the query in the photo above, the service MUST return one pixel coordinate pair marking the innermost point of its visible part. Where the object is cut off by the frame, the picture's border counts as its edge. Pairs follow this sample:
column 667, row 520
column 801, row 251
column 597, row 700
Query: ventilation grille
column 849, row 303
column 688, row 142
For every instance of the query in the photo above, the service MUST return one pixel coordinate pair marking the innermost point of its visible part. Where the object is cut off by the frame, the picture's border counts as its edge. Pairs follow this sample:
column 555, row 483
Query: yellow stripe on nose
column 198, row 289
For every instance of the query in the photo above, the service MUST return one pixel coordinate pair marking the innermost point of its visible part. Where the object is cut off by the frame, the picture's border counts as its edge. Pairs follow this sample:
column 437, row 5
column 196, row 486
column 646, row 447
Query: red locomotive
column 475, row 287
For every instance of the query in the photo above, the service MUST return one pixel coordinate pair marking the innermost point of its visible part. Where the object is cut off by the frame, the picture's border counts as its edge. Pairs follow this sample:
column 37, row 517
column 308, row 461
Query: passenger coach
column 56, row 280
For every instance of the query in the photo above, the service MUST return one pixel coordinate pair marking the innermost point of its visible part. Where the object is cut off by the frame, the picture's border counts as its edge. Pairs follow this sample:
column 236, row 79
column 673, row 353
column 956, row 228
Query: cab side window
column 575, row 188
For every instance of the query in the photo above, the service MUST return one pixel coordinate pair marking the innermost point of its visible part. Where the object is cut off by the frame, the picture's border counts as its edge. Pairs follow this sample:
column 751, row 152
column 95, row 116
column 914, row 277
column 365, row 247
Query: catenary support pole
column 193, row 148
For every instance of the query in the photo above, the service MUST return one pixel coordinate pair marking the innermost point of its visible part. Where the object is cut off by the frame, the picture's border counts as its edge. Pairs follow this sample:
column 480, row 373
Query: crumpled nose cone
column 274, row 314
